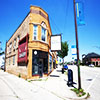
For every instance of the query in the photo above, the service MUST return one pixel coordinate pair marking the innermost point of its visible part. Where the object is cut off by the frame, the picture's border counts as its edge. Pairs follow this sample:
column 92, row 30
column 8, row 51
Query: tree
column 1, row 49
column 64, row 50
column 1, row 53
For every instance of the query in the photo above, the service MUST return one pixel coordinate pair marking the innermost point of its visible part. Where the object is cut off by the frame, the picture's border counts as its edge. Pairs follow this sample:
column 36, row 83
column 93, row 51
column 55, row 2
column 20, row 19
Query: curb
column 78, row 98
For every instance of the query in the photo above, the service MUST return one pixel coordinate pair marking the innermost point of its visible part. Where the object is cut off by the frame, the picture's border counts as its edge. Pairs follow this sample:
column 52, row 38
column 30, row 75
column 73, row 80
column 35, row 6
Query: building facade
column 28, row 50
column 91, row 58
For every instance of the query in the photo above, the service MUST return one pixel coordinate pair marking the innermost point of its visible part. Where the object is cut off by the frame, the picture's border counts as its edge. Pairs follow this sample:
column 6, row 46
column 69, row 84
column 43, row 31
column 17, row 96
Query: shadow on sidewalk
column 54, row 76
column 58, row 70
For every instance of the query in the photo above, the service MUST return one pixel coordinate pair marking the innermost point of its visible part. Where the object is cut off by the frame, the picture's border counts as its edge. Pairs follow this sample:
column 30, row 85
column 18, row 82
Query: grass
column 80, row 92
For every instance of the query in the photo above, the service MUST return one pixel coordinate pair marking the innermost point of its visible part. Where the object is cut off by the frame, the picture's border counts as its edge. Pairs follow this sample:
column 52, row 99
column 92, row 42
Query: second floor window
column 43, row 37
column 35, row 32
column 10, row 47
column 18, row 38
column 14, row 43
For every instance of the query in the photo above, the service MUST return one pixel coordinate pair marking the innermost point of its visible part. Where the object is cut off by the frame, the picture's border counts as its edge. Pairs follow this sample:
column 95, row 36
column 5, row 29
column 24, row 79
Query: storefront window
column 37, row 57
column 35, row 68
column 50, row 63
column 35, row 32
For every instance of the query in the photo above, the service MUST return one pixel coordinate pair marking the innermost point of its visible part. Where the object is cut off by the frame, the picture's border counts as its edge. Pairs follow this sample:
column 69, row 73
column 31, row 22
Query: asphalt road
column 90, row 80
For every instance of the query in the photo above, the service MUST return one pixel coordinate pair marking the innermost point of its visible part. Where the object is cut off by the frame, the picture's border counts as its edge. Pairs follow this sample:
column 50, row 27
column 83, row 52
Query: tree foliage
column 64, row 50
column 1, row 53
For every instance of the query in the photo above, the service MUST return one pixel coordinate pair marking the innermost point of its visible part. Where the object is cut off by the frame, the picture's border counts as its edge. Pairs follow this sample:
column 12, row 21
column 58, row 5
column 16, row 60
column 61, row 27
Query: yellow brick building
column 28, row 50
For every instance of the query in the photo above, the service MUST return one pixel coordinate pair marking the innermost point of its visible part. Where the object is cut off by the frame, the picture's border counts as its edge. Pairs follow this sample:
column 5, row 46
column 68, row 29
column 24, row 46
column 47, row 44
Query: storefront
column 28, row 49
column 39, row 63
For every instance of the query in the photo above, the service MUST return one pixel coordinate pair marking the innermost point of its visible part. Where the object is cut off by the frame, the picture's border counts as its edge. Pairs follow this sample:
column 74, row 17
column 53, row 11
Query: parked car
column 91, row 65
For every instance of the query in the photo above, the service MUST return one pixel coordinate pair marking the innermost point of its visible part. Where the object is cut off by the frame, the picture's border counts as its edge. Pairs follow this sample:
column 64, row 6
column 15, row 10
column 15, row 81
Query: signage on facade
column 55, row 42
column 22, row 49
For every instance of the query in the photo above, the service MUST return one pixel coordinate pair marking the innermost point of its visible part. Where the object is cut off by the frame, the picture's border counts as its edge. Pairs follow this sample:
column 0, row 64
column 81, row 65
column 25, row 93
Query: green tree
column 64, row 50
column 1, row 52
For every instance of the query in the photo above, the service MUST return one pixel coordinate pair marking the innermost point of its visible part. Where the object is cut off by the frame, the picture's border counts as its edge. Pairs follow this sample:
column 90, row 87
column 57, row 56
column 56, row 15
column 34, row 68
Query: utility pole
column 76, row 33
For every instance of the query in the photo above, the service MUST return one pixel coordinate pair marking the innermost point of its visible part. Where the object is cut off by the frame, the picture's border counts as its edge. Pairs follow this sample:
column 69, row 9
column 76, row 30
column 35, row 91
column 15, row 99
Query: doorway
column 41, row 64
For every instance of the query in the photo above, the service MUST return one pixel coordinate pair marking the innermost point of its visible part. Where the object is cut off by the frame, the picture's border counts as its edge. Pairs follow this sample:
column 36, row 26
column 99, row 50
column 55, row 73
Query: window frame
column 43, row 30
column 35, row 30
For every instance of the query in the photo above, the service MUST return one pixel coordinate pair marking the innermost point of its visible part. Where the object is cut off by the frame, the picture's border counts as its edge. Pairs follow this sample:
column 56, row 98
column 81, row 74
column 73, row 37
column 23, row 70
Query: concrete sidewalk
column 24, row 90
column 53, row 87
column 56, row 83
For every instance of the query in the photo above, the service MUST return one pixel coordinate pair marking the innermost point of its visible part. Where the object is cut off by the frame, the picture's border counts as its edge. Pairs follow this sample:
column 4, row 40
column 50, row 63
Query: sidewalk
column 24, row 90
column 53, row 87
column 56, row 83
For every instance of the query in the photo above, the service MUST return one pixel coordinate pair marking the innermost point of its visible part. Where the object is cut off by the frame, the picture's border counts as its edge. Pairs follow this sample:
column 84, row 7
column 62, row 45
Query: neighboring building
column 2, row 60
column 28, row 49
column 91, row 58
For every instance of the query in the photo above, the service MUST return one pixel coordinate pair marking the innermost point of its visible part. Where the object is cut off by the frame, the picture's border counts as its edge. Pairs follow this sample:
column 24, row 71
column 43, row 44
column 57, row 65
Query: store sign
column 22, row 50
column 55, row 42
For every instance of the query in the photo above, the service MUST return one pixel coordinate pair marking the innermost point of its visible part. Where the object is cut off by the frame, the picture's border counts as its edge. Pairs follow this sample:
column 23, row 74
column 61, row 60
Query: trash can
column 70, row 77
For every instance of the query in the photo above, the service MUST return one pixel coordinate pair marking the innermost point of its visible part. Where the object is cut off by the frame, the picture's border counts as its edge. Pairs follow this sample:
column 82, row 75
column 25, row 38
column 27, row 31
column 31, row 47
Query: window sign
column 55, row 42
column 35, row 32
column 23, row 49
column 43, row 34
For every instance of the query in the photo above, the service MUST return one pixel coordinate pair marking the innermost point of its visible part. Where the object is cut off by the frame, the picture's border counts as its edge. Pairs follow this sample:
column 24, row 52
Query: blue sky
column 61, row 16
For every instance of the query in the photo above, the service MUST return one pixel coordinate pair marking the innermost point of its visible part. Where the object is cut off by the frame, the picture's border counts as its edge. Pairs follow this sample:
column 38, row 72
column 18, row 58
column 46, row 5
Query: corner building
column 28, row 50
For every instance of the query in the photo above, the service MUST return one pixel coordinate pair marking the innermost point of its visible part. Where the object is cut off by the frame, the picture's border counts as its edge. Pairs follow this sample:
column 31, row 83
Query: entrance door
column 41, row 64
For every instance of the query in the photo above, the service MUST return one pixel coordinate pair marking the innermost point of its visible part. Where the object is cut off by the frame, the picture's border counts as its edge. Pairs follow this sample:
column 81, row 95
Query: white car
column 91, row 65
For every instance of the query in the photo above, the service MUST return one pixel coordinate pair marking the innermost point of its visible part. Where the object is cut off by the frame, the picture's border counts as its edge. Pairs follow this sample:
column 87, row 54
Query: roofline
column 18, row 26
column 39, row 8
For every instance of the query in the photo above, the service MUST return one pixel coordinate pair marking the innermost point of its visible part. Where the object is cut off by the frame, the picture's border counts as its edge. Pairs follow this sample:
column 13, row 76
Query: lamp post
column 79, row 77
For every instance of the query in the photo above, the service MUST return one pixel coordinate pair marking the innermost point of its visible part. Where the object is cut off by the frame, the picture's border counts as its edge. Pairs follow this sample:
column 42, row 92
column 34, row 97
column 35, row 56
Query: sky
column 61, row 16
